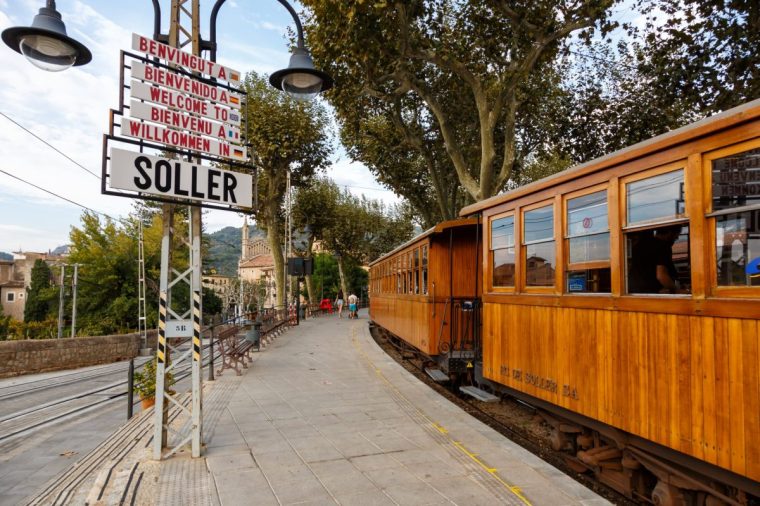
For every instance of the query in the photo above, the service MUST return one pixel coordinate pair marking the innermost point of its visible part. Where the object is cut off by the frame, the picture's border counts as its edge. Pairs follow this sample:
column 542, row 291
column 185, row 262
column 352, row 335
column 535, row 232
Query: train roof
column 444, row 225
column 717, row 122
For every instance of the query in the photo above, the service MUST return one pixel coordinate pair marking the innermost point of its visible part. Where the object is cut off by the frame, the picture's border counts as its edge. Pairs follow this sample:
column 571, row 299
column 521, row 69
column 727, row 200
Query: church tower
column 244, row 252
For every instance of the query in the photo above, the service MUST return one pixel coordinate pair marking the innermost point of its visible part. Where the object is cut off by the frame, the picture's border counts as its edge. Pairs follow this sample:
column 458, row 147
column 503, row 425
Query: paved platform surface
column 324, row 416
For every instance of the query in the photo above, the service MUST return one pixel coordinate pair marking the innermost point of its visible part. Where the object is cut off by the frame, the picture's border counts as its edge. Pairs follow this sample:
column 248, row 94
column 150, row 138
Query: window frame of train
column 587, row 276
column 424, row 266
column 549, row 240
column 749, row 213
column 492, row 249
column 646, row 227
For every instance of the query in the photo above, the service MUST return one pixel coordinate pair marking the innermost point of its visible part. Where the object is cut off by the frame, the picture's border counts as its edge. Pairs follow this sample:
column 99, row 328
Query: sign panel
column 179, row 328
column 189, row 61
column 150, row 112
column 184, row 103
column 184, row 140
column 179, row 179
column 178, row 82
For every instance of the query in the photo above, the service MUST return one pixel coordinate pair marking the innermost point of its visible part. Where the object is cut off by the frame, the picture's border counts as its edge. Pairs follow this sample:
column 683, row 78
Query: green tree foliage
column 107, row 292
column 467, row 79
column 5, row 323
column 40, row 296
column 702, row 53
column 355, row 229
column 107, row 254
column 285, row 135
column 212, row 304
column 326, row 277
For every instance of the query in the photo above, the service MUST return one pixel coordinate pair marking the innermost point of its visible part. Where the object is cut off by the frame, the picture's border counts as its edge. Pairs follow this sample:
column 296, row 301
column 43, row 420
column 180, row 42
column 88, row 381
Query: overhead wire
column 49, row 145
column 56, row 195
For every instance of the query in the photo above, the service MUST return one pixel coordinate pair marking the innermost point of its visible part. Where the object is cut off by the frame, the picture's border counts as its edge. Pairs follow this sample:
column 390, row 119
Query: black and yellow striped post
column 160, row 410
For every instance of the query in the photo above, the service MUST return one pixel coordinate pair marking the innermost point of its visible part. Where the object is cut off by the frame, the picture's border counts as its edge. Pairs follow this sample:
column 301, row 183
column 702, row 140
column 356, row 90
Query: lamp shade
column 301, row 80
column 46, row 44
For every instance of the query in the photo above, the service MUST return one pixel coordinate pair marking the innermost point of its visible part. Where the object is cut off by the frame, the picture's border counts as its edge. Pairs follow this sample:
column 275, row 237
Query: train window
column 655, row 199
column 410, row 272
column 503, row 251
column 417, row 271
column 735, row 202
column 737, row 242
column 540, row 253
column 398, row 275
column 658, row 260
column 425, row 270
column 657, row 250
column 405, row 272
column 588, row 240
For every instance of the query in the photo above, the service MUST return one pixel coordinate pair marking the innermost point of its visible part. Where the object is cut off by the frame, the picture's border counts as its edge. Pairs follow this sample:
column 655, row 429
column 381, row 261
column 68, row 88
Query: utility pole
column 60, row 302
column 74, row 302
column 288, row 210
column 142, row 327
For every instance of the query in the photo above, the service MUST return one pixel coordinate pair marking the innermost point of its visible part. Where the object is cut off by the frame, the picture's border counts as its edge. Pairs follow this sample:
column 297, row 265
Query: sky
column 69, row 111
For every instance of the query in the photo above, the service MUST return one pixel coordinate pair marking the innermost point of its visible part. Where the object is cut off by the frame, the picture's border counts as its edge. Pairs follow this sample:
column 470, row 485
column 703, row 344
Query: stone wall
column 41, row 355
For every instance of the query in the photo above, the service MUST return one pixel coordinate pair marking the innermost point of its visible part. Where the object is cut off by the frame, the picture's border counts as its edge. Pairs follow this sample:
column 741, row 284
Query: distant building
column 257, row 265
column 12, row 292
column 16, row 277
column 217, row 283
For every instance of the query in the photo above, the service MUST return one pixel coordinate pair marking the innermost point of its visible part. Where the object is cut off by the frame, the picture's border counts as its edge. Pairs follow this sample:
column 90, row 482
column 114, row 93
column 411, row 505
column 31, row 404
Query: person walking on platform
column 339, row 303
column 352, row 300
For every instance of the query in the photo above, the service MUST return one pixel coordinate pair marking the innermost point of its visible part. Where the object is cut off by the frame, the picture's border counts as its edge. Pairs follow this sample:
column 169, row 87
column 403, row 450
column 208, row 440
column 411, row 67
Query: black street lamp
column 300, row 80
column 46, row 44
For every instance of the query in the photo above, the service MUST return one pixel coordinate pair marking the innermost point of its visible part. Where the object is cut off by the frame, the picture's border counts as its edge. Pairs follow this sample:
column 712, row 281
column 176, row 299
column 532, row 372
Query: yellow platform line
column 514, row 489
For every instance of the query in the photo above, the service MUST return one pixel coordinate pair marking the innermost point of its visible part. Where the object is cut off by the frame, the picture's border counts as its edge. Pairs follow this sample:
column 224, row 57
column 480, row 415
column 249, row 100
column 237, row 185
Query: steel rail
column 184, row 372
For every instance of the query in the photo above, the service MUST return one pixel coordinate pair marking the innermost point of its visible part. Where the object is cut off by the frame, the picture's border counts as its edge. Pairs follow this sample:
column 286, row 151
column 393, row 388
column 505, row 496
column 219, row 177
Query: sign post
column 185, row 109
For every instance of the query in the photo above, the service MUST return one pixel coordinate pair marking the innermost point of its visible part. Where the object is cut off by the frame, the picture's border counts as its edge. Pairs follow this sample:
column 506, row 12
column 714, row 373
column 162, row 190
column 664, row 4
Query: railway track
column 414, row 362
column 28, row 387
column 29, row 420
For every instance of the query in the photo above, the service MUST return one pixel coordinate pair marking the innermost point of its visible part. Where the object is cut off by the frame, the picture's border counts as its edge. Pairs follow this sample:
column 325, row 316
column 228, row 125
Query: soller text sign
column 179, row 179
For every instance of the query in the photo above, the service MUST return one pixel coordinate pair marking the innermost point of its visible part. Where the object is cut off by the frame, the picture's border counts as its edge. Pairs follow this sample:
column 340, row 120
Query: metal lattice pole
column 171, row 317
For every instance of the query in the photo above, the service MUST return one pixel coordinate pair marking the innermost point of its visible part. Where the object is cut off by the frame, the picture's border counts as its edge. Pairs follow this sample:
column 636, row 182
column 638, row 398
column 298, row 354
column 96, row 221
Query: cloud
column 70, row 110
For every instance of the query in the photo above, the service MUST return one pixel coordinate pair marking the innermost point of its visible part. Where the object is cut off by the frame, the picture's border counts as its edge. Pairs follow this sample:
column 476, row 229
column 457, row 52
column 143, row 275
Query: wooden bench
column 236, row 352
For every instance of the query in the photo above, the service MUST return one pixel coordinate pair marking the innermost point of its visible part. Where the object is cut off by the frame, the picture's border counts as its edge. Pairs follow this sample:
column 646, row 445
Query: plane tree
column 285, row 136
column 463, row 75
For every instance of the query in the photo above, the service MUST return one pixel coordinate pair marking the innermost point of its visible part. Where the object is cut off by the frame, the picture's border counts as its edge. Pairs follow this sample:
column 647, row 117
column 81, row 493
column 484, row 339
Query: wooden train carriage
column 573, row 320
column 423, row 292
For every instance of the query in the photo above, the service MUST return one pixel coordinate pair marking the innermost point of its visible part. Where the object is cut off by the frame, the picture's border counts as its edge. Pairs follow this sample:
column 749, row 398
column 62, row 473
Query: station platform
column 323, row 416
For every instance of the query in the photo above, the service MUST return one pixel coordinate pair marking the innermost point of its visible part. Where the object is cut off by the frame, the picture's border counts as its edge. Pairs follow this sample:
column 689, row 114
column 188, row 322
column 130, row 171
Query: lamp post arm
column 299, row 28
column 215, row 13
column 156, row 20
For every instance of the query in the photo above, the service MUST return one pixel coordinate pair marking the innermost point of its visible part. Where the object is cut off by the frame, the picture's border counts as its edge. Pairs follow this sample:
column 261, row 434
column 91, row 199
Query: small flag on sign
column 237, row 152
column 234, row 100
column 235, row 76
column 233, row 134
column 234, row 116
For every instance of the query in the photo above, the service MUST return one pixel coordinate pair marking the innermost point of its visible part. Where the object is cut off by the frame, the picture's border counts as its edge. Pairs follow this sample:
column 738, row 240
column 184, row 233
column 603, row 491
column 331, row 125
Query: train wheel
column 665, row 494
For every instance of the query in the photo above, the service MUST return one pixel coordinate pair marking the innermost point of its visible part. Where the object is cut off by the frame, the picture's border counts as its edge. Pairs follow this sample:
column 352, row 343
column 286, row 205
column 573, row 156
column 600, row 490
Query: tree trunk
column 310, row 290
column 309, row 283
column 275, row 244
column 342, row 275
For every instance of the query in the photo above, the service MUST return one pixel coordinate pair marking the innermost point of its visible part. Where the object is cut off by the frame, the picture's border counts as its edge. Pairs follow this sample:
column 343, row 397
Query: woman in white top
column 339, row 303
